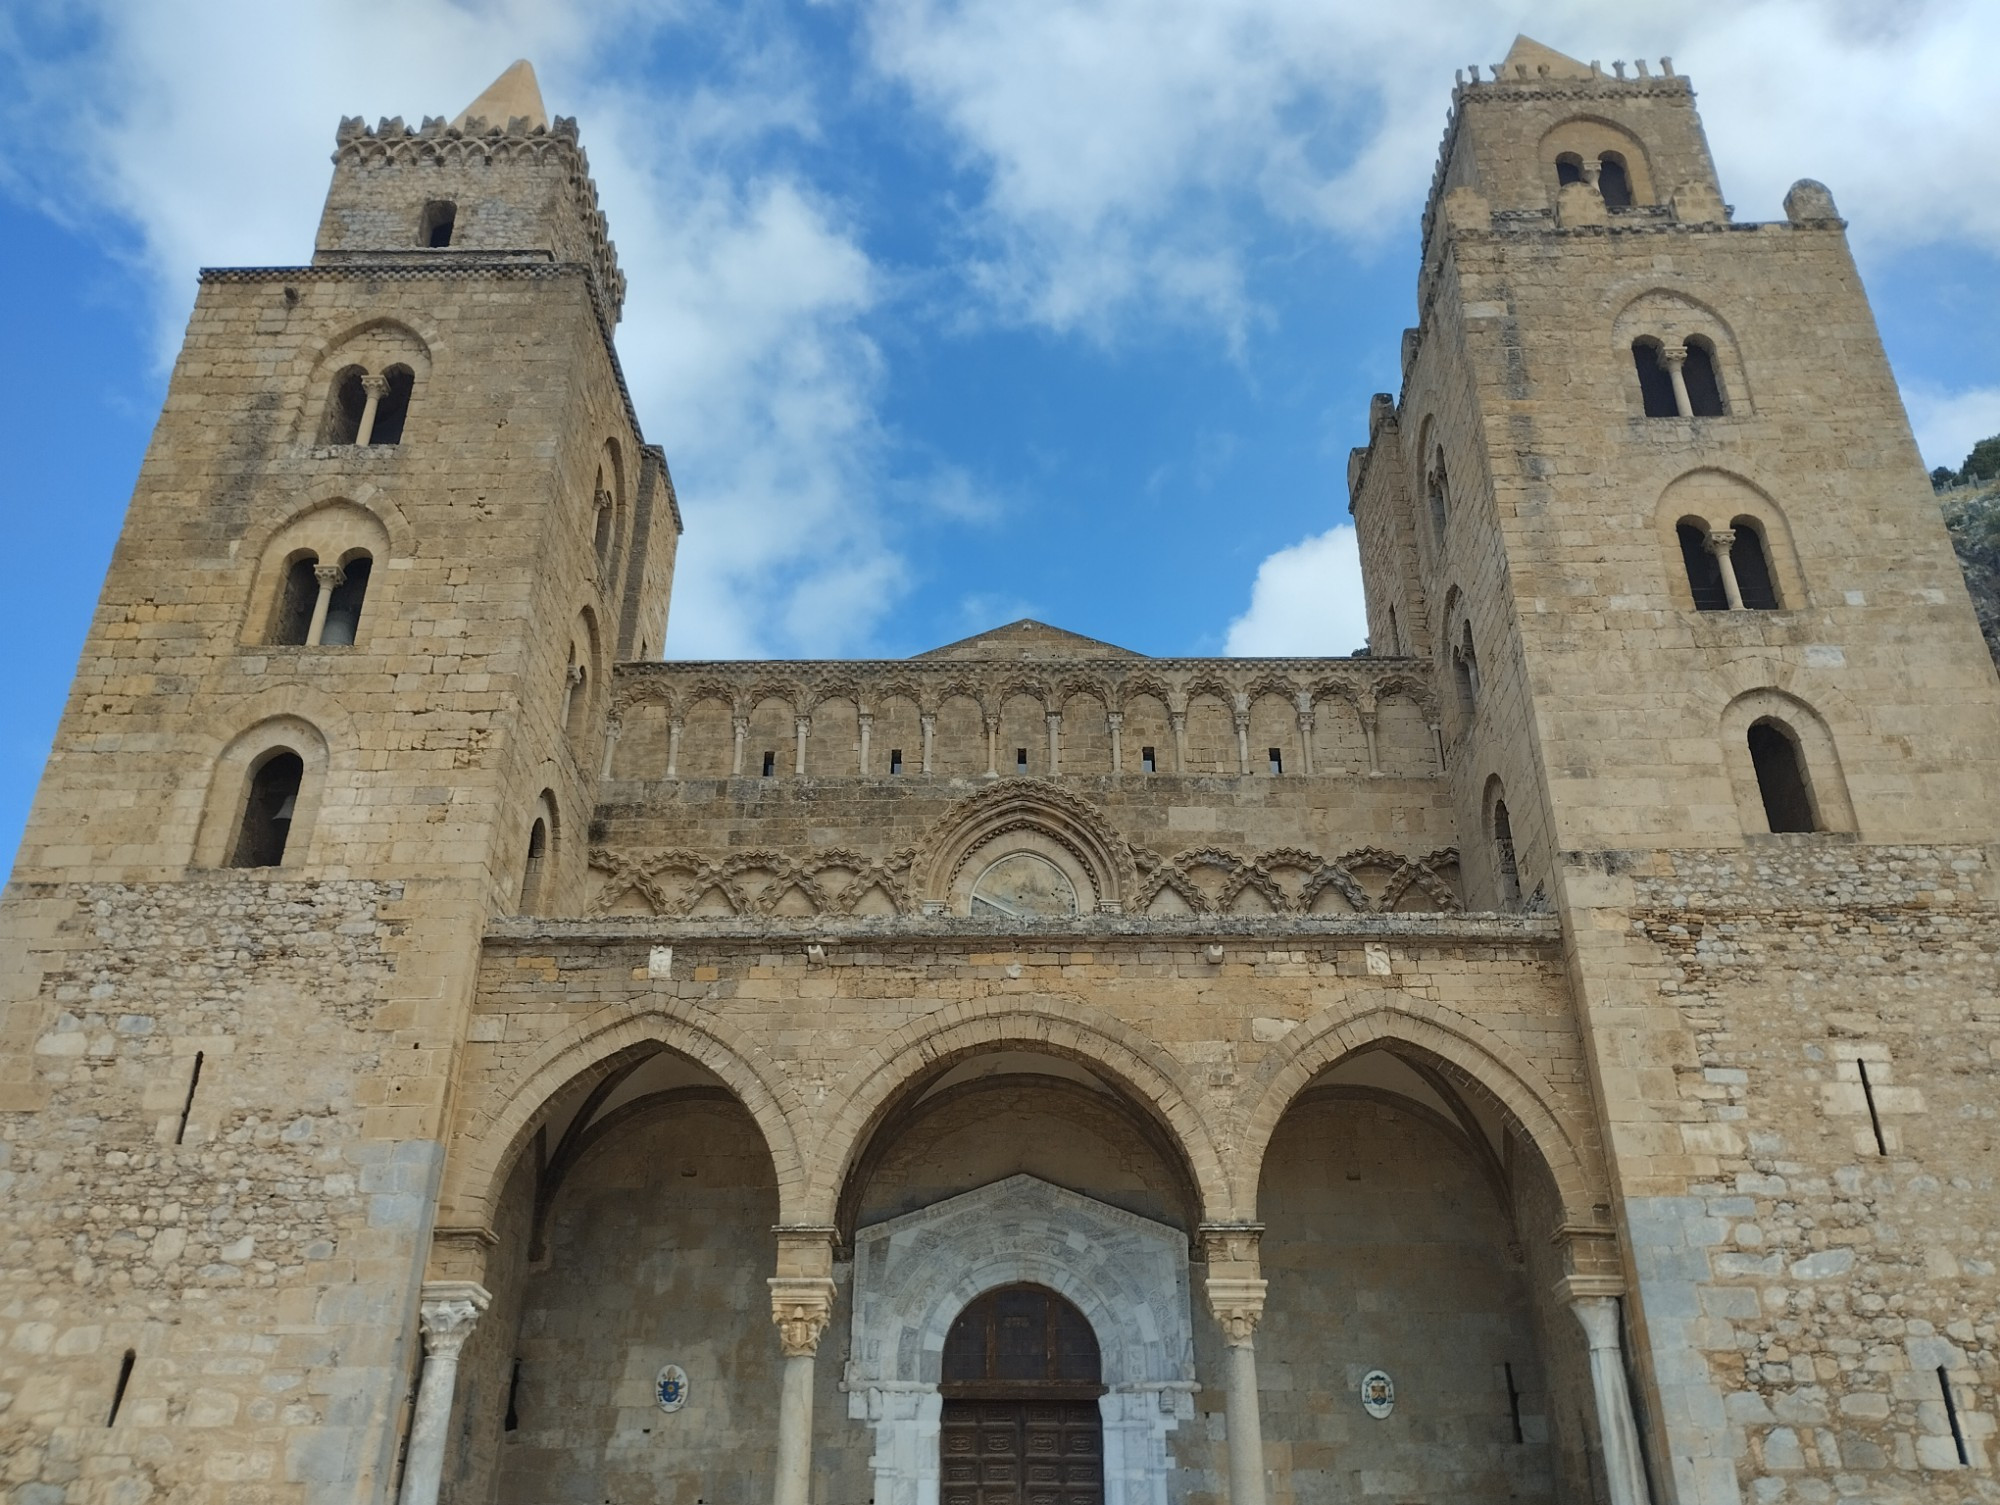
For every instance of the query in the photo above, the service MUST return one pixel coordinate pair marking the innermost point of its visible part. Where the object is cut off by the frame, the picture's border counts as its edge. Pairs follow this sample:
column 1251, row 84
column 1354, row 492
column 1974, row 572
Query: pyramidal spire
column 512, row 95
column 1527, row 52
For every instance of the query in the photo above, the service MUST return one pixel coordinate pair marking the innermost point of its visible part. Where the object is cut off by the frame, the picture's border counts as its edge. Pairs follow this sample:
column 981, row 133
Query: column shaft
column 1617, row 1431
column 449, row 1311
column 1246, row 1428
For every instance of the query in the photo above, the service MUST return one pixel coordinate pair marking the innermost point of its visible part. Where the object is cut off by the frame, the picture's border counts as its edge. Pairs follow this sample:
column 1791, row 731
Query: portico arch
column 902, row 1067
column 494, row 1134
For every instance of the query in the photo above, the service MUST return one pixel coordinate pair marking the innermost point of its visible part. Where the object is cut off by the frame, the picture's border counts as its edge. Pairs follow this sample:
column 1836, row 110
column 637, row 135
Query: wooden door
column 1021, row 1423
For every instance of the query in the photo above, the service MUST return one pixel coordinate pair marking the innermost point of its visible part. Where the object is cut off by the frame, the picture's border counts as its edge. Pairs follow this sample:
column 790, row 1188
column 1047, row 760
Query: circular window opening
column 1023, row 886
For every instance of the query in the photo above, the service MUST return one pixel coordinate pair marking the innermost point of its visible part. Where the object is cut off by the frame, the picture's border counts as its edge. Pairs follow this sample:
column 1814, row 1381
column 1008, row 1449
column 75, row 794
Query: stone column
column 613, row 730
column 867, row 720
column 1236, row 1297
column 1305, row 736
column 1178, row 720
column 330, row 577
column 801, row 728
column 449, row 1310
column 1116, row 721
column 928, row 722
column 1720, row 542
column 740, row 725
column 674, row 748
column 1618, row 1433
column 374, row 388
column 1367, row 714
column 801, row 1305
column 1593, row 169
column 1242, row 741
column 1054, row 719
column 1674, row 358
column 992, row 747
column 1437, row 742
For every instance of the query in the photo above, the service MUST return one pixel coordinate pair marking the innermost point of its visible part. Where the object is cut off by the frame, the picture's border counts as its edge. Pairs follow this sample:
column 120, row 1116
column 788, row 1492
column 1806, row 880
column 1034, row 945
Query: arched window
column 1438, row 490
column 1506, row 870
column 343, row 606
column 344, row 406
column 606, row 514
column 1465, row 670
column 1569, row 169
column 1395, row 635
column 1781, row 777
column 268, row 808
column 440, row 217
column 531, row 876
column 1614, row 182
column 292, row 622
column 1747, row 557
column 1703, row 382
column 393, row 407
column 576, row 696
column 1704, row 571
column 1656, row 386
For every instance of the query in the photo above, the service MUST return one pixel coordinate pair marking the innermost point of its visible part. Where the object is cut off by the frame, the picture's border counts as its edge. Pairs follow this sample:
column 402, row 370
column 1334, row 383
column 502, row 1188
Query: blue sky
column 945, row 313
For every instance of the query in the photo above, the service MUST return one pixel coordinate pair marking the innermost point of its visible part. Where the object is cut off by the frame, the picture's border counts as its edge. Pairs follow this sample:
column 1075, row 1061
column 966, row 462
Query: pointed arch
column 1470, row 1054
column 905, row 1063
column 488, row 1138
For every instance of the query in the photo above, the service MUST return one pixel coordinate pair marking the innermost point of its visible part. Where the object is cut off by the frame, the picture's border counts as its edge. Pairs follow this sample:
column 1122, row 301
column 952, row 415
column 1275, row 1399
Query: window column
column 375, row 389
column 1720, row 542
column 1116, row 721
column 1674, row 358
column 1054, row 719
column 330, row 577
column 928, row 720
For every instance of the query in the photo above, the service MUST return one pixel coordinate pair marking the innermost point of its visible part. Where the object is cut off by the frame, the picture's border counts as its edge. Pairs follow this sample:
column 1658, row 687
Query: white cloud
column 206, row 130
column 1948, row 424
column 1130, row 152
column 1306, row 600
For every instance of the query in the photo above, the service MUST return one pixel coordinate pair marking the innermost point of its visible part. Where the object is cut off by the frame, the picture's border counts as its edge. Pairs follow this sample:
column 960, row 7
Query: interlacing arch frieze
column 1231, row 874
column 755, row 883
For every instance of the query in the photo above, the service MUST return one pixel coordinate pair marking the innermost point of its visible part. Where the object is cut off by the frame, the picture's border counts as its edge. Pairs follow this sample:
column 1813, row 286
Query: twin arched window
column 1678, row 381
column 1728, row 569
column 366, row 408
column 1608, row 173
column 319, row 605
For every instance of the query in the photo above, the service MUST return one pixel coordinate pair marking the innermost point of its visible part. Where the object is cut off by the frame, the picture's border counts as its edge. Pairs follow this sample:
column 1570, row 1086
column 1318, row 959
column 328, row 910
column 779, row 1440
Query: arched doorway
column 1020, row 1383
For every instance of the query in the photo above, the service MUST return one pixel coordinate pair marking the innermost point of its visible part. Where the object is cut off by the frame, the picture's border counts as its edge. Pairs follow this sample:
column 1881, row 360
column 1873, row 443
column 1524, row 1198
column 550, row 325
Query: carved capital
column 448, row 1313
column 575, row 674
column 375, row 386
column 1116, row 719
column 1673, row 355
column 801, row 1306
column 330, row 576
column 1721, row 540
column 1238, row 1306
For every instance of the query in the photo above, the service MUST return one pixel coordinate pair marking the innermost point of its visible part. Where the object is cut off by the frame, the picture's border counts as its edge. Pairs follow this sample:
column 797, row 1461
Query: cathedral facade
column 452, row 1055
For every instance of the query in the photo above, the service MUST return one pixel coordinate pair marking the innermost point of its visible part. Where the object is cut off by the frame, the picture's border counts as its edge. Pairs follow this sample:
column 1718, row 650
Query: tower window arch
column 342, row 619
column 1751, row 561
column 270, row 805
column 1614, row 182
column 317, row 572
column 345, row 405
column 1507, row 871
column 1656, row 383
column 539, row 863
column 1704, row 571
column 1437, row 490
column 1781, row 776
column 439, row 220
column 291, row 622
column 1702, row 379
column 1465, row 671
column 1569, row 169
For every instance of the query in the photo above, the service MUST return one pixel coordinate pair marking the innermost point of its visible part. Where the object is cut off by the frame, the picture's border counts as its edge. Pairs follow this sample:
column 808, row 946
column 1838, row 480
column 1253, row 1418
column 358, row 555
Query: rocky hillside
column 1969, row 497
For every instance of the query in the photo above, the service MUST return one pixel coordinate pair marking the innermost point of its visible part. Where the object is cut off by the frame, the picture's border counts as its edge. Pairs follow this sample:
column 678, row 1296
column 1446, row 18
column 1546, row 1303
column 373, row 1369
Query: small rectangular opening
column 1020, row 760
column 187, row 1106
column 1951, row 1415
column 1147, row 761
column 895, row 760
column 1874, row 1118
column 1277, row 760
column 132, row 1357
column 770, row 764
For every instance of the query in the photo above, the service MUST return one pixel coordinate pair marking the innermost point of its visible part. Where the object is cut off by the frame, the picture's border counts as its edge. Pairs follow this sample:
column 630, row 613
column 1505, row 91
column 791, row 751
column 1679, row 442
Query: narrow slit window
column 532, row 869
column 343, row 607
column 440, row 219
column 1753, row 569
column 344, row 407
column 602, row 541
column 1507, row 869
column 1614, row 182
column 1514, row 1403
column 1781, row 778
column 268, row 810
column 1951, row 1415
column 1277, row 760
column 1703, row 382
column 1874, row 1116
column 1020, row 760
column 296, row 599
column 895, row 760
column 1148, row 761
column 1438, row 490
column 132, row 1357
column 513, row 1421
column 393, row 409
column 1704, row 570
column 1656, row 387
column 187, row 1103
column 770, row 764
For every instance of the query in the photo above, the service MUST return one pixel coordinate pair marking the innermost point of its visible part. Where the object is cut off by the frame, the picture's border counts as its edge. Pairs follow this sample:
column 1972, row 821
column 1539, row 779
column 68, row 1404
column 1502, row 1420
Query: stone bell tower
column 1715, row 695
column 343, row 699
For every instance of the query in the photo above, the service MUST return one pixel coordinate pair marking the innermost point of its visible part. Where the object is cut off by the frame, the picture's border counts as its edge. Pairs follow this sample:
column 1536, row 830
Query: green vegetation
column 1972, row 514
